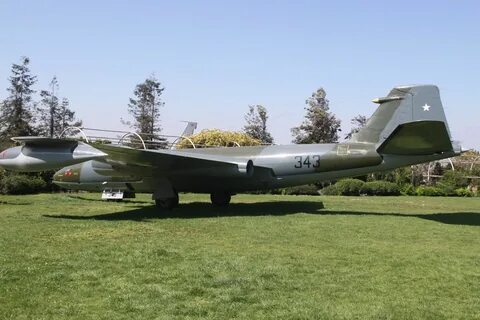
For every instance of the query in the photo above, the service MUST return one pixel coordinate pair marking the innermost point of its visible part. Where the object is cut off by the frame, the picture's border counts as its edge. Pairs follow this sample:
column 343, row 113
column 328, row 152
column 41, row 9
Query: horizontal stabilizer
column 418, row 138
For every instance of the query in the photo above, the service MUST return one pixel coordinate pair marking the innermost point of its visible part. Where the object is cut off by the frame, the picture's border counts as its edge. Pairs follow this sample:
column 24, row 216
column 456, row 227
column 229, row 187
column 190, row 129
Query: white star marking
column 426, row 107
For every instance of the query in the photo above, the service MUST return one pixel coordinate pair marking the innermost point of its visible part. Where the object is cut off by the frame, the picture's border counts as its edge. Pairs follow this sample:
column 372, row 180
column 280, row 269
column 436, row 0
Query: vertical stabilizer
column 189, row 129
column 410, row 120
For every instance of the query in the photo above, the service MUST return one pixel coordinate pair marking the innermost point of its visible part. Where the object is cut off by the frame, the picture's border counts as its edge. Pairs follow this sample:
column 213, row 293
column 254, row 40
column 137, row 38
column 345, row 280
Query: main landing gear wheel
column 168, row 203
column 220, row 199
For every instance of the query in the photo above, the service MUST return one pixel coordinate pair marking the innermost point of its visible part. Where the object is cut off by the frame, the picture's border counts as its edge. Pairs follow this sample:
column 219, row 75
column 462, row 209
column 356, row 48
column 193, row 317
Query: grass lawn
column 265, row 257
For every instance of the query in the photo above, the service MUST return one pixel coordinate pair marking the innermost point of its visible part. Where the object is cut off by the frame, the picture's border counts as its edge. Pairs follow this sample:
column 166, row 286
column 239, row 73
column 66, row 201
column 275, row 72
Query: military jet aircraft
column 408, row 127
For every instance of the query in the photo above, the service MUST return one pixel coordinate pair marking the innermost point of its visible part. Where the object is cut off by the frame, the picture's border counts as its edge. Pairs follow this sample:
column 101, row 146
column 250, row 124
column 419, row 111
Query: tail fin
column 189, row 129
column 410, row 120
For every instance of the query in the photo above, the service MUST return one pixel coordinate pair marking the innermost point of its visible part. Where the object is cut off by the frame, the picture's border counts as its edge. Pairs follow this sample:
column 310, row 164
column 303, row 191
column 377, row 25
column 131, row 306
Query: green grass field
column 265, row 257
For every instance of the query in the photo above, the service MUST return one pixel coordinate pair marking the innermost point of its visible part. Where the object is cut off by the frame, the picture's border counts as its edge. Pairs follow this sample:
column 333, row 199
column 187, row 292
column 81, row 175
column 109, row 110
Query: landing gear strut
column 220, row 199
column 167, row 203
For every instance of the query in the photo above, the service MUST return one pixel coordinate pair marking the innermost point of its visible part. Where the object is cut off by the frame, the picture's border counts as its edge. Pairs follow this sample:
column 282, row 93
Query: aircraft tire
column 168, row 203
column 220, row 199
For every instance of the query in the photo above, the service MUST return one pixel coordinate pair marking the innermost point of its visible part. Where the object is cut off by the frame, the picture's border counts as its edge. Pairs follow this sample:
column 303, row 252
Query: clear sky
column 217, row 57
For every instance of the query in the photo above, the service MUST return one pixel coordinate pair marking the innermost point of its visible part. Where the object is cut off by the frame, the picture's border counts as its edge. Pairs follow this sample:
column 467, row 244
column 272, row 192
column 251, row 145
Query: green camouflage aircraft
column 409, row 127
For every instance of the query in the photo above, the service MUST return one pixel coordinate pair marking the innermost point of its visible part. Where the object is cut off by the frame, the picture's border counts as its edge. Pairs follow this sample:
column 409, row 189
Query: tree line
column 21, row 114
column 319, row 126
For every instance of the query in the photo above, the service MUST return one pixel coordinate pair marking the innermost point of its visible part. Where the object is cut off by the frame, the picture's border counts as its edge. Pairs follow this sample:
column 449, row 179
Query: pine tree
column 256, row 125
column 320, row 125
column 55, row 115
column 65, row 117
column 145, row 108
column 16, row 117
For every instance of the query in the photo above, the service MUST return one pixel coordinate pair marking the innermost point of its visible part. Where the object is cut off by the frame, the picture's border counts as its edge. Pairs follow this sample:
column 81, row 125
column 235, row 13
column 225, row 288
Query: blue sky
column 217, row 57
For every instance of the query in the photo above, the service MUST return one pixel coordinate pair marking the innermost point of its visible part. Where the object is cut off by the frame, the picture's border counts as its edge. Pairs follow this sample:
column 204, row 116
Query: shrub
column 408, row 190
column 2, row 178
column 447, row 190
column 308, row 190
column 330, row 190
column 22, row 184
column 380, row 188
column 349, row 187
column 429, row 191
column 218, row 138
column 454, row 179
column 464, row 192
column 268, row 191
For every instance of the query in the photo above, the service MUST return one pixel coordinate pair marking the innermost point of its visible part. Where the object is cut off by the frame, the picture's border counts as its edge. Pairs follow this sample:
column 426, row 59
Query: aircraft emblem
column 426, row 107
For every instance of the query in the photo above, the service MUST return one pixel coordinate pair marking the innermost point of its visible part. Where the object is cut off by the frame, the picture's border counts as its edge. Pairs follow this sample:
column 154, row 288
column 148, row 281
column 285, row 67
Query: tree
column 357, row 122
column 256, row 126
column 145, row 108
column 320, row 125
column 16, row 118
column 55, row 115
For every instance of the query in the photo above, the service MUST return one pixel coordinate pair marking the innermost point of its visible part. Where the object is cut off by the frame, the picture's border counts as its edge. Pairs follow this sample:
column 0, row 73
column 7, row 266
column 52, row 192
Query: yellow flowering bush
column 218, row 138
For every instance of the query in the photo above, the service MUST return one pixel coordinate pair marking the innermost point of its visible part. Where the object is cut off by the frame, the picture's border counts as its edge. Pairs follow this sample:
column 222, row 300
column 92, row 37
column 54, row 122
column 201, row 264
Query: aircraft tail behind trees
column 409, row 121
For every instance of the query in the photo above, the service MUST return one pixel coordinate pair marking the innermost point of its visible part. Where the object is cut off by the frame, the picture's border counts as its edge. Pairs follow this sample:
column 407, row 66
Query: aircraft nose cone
column 58, row 175
column 9, row 158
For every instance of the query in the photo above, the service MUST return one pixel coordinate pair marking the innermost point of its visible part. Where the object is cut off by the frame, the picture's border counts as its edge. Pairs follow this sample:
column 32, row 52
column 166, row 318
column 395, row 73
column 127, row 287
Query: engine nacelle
column 39, row 154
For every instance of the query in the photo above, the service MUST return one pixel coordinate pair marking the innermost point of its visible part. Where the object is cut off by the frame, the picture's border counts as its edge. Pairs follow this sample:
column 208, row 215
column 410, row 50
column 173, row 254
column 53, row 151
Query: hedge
column 349, row 187
column 21, row 184
column 430, row 191
column 330, row 190
column 380, row 188
column 307, row 190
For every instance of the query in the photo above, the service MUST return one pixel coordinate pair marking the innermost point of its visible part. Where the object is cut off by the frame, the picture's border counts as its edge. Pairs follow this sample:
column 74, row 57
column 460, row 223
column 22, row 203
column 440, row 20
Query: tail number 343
column 307, row 161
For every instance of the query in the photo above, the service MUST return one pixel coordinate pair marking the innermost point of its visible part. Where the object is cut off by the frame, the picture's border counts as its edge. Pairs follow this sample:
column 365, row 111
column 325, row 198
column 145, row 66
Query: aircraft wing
column 38, row 153
column 165, row 162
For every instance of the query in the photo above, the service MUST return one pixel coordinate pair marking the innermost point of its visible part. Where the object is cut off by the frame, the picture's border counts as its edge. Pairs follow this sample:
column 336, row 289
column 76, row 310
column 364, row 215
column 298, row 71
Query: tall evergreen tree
column 16, row 117
column 256, row 124
column 54, row 115
column 145, row 107
column 357, row 122
column 320, row 125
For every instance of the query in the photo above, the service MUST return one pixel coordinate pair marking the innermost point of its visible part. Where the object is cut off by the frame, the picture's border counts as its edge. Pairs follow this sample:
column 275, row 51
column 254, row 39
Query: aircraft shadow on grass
column 15, row 203
column 196, row 210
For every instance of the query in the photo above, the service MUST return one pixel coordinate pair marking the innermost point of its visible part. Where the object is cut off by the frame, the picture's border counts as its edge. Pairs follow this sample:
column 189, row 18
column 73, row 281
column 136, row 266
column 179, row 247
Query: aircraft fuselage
column 274, row 167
